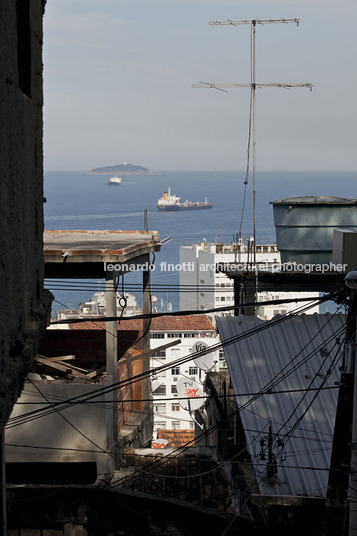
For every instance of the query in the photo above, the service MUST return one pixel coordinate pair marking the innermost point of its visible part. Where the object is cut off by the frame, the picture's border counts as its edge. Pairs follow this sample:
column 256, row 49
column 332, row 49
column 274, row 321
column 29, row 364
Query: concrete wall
column 77, row 435
column 84, row 429
column 23, row 303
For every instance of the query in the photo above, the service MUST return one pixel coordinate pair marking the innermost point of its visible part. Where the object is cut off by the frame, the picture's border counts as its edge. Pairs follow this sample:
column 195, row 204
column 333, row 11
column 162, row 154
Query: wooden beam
column 60, row 367
column 59, row 358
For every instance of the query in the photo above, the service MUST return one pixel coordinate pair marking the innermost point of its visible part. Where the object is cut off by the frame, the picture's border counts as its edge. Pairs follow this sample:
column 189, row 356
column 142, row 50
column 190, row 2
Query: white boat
column 115, row 180
column 171, row 202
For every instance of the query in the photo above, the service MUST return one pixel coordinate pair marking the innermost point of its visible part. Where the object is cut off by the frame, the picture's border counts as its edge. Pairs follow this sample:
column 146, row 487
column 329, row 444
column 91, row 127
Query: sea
column 78, row 200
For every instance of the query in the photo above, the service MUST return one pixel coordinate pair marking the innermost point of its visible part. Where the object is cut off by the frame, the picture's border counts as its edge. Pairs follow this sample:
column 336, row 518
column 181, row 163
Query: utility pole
column 351, row 283
column 253, row 85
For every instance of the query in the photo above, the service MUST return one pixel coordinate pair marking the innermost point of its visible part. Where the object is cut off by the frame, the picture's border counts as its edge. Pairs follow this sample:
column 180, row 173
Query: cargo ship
column 170, row 202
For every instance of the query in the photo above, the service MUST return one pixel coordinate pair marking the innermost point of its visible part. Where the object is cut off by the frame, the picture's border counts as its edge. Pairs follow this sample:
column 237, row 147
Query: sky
column 118, row 78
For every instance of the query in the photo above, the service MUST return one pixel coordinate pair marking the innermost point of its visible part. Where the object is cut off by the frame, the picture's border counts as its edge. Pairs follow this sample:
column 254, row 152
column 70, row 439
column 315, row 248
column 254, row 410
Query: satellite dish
column 206, row 361
column 192, row 394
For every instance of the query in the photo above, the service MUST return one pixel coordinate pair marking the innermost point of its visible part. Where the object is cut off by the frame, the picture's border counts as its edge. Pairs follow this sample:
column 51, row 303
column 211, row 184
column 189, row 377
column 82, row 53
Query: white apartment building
column 204, row 287
column 168, row 413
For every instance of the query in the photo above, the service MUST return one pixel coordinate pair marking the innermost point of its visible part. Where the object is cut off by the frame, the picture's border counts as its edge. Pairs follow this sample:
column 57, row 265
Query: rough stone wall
column 24, row 304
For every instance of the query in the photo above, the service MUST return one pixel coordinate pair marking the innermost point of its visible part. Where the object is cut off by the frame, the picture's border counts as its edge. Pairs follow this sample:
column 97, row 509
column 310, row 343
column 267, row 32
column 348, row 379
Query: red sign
column 159, row 444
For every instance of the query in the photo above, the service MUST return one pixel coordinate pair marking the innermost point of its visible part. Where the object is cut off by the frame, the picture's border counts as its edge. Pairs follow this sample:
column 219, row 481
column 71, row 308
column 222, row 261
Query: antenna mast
column 253, row 85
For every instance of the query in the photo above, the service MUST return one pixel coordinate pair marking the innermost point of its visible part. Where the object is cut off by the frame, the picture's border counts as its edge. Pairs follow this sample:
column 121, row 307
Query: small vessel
column 171, row 202
column 115, row 180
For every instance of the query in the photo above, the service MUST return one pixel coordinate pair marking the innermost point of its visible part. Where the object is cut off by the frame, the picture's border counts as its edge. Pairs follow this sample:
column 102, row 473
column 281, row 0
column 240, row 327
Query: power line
column 316, row 299
column 155, row 287
column 213, row 428
column 179, row 361
column 65, row 418
column 163, row 367
column 173, row 399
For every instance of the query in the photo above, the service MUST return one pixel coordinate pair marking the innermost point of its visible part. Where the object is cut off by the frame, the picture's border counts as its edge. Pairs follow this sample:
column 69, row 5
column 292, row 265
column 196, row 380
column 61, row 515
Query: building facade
column 190, row 330
column 213, row 289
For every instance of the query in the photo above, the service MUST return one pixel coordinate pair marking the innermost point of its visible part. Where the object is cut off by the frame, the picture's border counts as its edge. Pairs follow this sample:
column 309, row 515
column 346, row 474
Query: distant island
column 122, row 169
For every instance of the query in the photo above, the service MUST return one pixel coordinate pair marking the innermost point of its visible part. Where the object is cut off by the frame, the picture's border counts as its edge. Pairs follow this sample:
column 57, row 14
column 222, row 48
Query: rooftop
column 291, row 361
column 315, row 200
column 93, row 248
column 169, row 323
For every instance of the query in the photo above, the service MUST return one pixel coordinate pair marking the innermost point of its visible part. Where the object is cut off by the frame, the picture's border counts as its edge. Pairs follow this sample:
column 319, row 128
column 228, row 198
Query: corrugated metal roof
column 253, row 362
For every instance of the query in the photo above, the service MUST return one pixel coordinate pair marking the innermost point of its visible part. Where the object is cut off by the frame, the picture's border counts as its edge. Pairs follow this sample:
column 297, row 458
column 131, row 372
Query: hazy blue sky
column 118, row 76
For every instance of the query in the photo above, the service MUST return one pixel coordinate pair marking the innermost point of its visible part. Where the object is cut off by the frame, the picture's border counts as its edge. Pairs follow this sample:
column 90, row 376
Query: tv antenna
column 253, row 85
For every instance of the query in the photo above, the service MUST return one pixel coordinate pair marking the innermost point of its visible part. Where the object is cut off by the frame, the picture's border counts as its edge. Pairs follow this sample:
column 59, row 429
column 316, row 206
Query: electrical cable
column 170, row 364
column 249, row 142
column 298, row 421
column 230, row 395
column 197, row 438
column 179, row 361
column 316, row 299
column 172, row 399
column 65, row 418
column 139, row 377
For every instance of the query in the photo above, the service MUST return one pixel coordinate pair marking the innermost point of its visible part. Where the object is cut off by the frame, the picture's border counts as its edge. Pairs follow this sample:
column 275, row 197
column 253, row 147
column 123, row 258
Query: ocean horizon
column 79, row 200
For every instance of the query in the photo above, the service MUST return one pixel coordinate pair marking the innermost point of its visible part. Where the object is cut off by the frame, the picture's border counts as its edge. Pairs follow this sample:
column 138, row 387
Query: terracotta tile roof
column 181, row 323
column 170, row 323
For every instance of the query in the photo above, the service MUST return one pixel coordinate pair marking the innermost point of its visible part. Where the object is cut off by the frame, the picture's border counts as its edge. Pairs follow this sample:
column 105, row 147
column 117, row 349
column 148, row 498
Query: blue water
column 78, row 200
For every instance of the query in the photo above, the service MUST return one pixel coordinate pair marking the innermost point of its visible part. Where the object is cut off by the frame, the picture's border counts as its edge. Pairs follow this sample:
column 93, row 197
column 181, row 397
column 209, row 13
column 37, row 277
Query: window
column 175, row 407
column 192, row 425
column 175, row 371
column 174, row 335
column 160, row 353
column 202, row 294
column 159, row 424
column 161, row 390
column 223, row 298
column 202, row 281
column 160, row 408
column 192, row 371
column 175, row 425
column 174, row 388
column 157, row 335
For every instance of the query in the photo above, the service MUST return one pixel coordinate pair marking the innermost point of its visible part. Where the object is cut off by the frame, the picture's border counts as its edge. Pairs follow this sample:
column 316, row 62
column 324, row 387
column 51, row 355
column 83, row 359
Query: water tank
column 304, row 226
